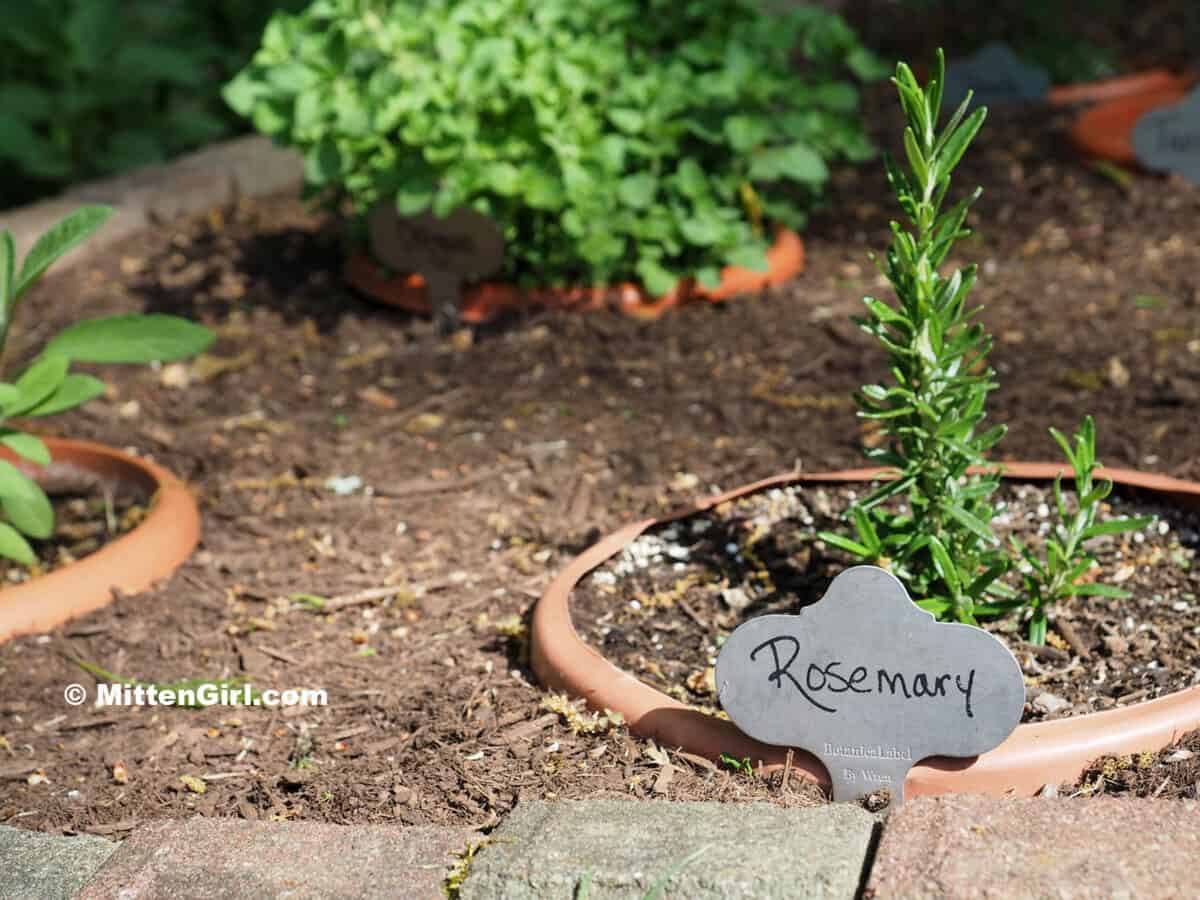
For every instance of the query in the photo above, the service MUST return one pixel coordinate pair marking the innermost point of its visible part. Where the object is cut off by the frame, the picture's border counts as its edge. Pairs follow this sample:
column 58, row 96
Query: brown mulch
column 487, row 460
column 1172, row 773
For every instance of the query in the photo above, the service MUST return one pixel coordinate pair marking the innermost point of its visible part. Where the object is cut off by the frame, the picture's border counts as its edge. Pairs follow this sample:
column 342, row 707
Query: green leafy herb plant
column 1054, row 576
column 610, row 140
column 47, row 386
column 931, row 523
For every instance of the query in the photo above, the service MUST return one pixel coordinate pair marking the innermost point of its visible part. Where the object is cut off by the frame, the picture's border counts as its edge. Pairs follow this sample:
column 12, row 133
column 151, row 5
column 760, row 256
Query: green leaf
column 939, row 606
column 34, row 517
column 131, row 339
column 39, row 381
column 845, row 543
column 745, row 133
column 704, row 231
column 75, row 390
column 656, row 279
column 1037, row 628
column 631, row 121
column 61, row 237
column 93, row 29
column 749, row 256
column 637, row 190
column 976, row 526
column 1092, row 589
column 945, row 568
column 797, row 162
column 1117, row 526
column 26, row 445
column 323, row 163
column 15, row 547
column 8, row 255
column 691, row 179
column 15, row 483
column 957, row 143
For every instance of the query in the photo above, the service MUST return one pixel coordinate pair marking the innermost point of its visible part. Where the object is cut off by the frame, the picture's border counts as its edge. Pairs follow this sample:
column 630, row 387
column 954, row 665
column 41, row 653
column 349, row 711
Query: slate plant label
column 997, row 76
column 1168, row 139
column 463, row 246
column 869, row 683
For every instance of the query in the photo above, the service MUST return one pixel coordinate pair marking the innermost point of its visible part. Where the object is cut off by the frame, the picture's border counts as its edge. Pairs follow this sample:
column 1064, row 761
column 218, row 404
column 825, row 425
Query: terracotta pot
column 1147, row 82
column 131, row 563
column 480, row 302
column 1034, row 755
column 1106, row 130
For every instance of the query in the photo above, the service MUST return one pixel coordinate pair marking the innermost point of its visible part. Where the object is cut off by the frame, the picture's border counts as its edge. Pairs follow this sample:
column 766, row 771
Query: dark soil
column 82, row 525
column 663, row 606
column 492, row 458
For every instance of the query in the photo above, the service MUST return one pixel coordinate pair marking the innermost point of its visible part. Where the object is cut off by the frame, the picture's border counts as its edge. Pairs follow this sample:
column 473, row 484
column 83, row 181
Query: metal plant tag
column 463, row 246
column 870, row 683
column 1168, row 139
column 997, row 76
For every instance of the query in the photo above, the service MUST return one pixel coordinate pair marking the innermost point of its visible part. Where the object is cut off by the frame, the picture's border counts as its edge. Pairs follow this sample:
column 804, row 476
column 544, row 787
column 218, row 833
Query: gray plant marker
column 997, row 76
column 1168, row 139
column 463, row 246
column 869, row 683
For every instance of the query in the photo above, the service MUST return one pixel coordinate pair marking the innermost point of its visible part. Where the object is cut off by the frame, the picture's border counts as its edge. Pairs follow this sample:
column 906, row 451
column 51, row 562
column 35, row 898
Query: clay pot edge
column 785, row 260
column 1034, row 755
column 131, row 563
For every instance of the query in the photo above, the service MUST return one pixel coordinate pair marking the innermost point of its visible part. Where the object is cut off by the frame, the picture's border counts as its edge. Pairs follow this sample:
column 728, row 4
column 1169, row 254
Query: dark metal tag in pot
column 463, row 246
column 870, row 683
column 1168, row 139
column 997, row 76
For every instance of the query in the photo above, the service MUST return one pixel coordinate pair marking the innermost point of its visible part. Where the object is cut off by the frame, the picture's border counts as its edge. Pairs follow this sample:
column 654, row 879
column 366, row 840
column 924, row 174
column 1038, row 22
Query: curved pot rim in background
column 1103, row 90
column 1034, row 755
column 1105, row 131
column 481, row 302
column 131, row 563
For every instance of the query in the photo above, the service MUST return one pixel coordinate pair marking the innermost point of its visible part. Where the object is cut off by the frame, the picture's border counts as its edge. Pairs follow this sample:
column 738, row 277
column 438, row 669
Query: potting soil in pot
column 663, row 606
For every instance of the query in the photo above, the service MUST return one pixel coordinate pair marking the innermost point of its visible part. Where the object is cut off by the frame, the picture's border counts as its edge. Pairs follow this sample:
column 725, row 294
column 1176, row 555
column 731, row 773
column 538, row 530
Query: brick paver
column 38, row 866
column 975, row 847
column 544, row 851
column 231, row 859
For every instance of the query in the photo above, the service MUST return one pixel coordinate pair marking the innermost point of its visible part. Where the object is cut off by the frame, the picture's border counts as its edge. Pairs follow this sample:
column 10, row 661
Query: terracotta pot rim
column 1105, row 131
column 481, row 302
column 1034, row 755
column 1104, row 89
column 131, row 563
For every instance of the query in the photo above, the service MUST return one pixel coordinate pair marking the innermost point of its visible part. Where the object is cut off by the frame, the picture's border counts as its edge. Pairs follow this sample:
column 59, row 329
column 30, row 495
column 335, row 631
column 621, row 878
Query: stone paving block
column 232, row 859
column 213, row 176
column 257, row 166
column 542, row 851
column 976, row 847
column 39, row 866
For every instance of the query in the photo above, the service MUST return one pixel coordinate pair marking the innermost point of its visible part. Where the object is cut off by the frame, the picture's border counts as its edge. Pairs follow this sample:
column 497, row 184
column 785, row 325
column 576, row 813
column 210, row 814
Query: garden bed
column 493, row 458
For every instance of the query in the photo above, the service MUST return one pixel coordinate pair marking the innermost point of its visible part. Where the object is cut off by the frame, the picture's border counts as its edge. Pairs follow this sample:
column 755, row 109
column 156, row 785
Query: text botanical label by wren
column 463, row 246
column 997, row 76
column 869, row 683
column 1168, row 139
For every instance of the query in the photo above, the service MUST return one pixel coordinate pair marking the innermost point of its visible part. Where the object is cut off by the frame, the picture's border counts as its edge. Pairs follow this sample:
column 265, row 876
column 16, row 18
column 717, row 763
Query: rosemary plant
column 940, row 542
column 1056, row 575
column 935, row 534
